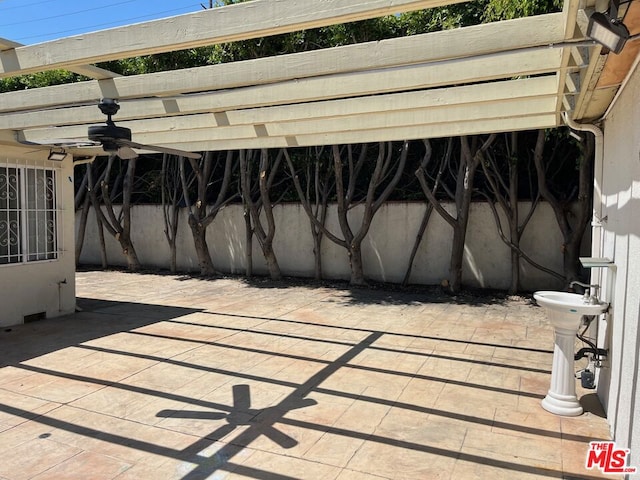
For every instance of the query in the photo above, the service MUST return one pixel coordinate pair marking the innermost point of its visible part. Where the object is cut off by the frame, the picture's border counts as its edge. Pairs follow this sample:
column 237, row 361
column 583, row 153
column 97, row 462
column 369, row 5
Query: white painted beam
column 427, row 117
column 356, row 84
column 459, row 43
column 475, row 127
column 509, row 95
column 242, row 21
column 90, row 71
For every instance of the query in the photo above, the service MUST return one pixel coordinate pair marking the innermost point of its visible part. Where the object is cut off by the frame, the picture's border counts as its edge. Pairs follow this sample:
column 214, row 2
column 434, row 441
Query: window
column 28, row 215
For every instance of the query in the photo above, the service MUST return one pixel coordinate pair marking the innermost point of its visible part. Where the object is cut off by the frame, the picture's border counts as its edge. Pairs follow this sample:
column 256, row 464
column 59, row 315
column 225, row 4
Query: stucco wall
column 386, row 249
column 620, row 186
column 32, row 288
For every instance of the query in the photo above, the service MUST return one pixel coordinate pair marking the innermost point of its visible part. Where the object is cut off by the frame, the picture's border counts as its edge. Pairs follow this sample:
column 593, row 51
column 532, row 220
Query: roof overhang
column 513, row 75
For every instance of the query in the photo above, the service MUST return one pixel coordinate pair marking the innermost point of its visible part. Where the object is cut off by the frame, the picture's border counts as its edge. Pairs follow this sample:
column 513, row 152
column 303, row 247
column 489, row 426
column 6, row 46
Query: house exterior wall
column 42, row 286
column 386, row 248
column 620, row 187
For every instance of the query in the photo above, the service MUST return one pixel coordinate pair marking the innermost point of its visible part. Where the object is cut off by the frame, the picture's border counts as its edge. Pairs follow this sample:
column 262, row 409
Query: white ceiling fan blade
column 156, row 148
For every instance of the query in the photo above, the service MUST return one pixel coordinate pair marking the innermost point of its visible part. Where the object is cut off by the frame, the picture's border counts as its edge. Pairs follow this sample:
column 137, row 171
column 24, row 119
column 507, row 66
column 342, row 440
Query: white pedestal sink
column 565, row 311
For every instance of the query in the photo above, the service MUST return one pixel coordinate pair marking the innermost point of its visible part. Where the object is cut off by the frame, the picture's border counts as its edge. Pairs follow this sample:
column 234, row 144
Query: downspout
column 596, row 221
column 597, row 250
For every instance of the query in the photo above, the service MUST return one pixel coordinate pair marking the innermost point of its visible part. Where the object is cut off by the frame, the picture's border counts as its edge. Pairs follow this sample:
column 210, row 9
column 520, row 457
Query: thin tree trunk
column 253, row 208
column 104, row 260
column 423, row 227
column 470, row 158
column 248, row 242
column 82, row 227
column 266, row 237
column 120, row 228
column 572, row 231
column 199, row 234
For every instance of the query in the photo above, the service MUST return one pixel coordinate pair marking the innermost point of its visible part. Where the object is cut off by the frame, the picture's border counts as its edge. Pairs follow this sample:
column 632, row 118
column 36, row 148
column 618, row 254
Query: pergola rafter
column 503, row 76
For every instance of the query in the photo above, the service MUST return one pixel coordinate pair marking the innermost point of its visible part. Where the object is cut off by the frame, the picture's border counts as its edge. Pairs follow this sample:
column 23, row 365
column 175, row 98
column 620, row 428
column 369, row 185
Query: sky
column 35, row 21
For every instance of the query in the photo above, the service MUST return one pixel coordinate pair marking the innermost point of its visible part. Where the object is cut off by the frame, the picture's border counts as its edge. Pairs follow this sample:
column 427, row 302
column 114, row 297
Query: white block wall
column 386, row 249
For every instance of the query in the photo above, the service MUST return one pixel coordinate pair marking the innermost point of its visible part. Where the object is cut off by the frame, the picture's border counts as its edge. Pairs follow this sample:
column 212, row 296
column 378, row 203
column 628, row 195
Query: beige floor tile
column 417, row 428
column 131, row 341
column 446, row 368
column 326, row 411
column 10, row 374
column 400, row 462
column 490, row 376
column 477, row 396
column 530, row 451
column 101, row 467
column 334, row 449
column 116, row 437
column 17, row 408
column 300, row 371
column 57, row 388
column 535, row 383
column 538, row 426
column 25, row 432
column 263, row 464
column 468, row 469
column 217, row 460
column 36, row 456
column 286, row 439
column 400, row 387
column 347, row 474
column 586, row 425
column 362, row 417
column 479, row 349
column 422, row 391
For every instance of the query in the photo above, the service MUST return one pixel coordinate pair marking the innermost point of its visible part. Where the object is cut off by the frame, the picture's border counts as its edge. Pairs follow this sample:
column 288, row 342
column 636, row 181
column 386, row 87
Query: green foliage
column 508, row 9
column 37, row 80
column 441, row 18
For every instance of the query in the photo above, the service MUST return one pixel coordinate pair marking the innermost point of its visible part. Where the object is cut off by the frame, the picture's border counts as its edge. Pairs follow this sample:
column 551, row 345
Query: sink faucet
column 593, row 289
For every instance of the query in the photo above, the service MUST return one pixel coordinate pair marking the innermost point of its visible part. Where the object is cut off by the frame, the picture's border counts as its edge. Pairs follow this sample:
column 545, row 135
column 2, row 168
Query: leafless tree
column 119, row 226
column 82, row 203
column 93, row 193
column 171, row 196
column 313, row 191
column 503, row 190
column 572, row 209
column 426, row 159
column 200, row 213
column 256, row 199
column 388, row 169
column 471, row 154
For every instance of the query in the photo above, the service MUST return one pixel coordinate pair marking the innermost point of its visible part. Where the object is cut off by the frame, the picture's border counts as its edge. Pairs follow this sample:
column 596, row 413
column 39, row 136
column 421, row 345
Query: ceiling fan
column 117, row 140
column 114, row 139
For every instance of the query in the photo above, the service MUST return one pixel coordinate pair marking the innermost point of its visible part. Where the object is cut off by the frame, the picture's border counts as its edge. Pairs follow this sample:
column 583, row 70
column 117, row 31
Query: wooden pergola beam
column 426, row 48
column 255, row 19
column 512, row 97
column 472, row 127
column 357, row 84
column 90, row 71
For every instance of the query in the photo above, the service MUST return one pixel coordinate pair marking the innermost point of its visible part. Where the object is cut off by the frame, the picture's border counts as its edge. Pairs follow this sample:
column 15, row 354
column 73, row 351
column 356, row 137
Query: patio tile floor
column 170, row 377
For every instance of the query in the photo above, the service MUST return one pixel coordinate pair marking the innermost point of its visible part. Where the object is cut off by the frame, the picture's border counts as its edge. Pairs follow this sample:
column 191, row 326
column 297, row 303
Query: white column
column 561, row 398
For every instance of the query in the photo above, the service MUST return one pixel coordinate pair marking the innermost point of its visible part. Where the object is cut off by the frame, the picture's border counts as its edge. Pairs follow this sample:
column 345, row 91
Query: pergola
column 512, row 75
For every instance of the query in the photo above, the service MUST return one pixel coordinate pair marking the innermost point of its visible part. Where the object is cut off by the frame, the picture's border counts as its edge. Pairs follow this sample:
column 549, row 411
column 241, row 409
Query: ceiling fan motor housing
column 109, row 135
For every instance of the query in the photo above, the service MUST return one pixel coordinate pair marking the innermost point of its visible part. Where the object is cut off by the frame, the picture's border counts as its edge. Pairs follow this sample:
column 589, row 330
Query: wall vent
column 34, row 317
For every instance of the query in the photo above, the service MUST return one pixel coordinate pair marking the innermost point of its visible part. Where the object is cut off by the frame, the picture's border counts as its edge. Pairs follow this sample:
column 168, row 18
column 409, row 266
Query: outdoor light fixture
column 57, row 155
column 607, row 30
